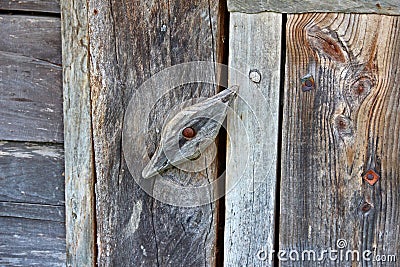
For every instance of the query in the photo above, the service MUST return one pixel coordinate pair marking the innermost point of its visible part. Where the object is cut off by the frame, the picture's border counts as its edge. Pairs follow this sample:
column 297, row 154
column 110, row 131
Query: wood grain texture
column 51, row 6
column 79, row 170
column 31, row 242
column 36, row 37
column 255, row 47
column 130, row 42
column 334, row 133
column 31, row 173
column 30, row 99
column 33, row 211
column 390, row 7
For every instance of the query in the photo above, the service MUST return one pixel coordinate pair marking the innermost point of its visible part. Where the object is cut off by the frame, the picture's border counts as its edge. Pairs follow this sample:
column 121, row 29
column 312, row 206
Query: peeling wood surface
column 337, row 131
column 31, row 173
column 30, row 99
column 131, row 41
column 389, row 7
column 255, row 44
column 51, row 6
column 79, row 169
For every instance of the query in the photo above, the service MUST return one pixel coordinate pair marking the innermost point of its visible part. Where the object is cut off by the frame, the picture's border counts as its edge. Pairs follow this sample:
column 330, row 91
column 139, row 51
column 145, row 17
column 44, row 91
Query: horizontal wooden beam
column 390, row 7
column 31, row 173
column 49, row 6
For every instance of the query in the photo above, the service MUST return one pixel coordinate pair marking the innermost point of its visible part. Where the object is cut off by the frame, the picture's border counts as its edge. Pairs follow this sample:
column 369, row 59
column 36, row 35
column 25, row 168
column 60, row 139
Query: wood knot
column 343, row 125
column 326, row 42
column 366, row 207
column 362, row 86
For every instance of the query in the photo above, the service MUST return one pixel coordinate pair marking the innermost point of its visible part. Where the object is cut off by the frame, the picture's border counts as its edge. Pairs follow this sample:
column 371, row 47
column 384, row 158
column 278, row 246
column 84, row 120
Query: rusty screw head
column 371, row 177
column 307, row 83
column 189, row 133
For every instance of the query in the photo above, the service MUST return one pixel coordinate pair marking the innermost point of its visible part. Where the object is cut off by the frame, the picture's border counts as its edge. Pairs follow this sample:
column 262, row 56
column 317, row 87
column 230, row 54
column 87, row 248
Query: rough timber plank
column 30, row 99
column 32, row 211
column 335, row 132
column 79, row 170
column 129, row 42
column 255, row 43
column 31, row 242
column 390, row 7
column 31, row 173
column 36, row 37
column 51, row 6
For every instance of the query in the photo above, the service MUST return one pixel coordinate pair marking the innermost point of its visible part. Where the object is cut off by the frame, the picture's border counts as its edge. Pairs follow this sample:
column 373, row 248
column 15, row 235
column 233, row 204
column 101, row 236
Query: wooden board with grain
column 41, row 212
column 79, row 169
column 390, row 7
column 31, row 242
column 31, row 173
column 30, row 99
column 332, row 134
column 129, row 42
column 255, row 49
column 31, row 36
column 49, row 6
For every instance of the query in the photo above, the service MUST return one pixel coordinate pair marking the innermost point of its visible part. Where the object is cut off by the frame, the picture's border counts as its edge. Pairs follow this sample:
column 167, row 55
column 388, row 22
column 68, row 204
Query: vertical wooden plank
column 346, row 124
column 79, row 170
column 254, row 61
column 130, row 42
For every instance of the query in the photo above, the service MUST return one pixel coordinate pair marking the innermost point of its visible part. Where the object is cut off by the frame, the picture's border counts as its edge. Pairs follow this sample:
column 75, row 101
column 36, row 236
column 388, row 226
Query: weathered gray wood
column 31, row 173
column 129, row 42
column 36, row 37
column 30, row 99
column 51, row 6
column 79, row 170
column 203, row 119
column 390, row 7
column 27, row 242
column 335, row 132
column 33, row 211
column 254, row 61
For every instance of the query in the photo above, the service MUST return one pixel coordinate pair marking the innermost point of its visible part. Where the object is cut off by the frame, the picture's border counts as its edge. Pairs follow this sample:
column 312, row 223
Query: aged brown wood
column 129, row 42
column 31, row 173
column 335, row 132
column 391, row 7
column 255, row 54
column 31, row 242
column 36, row 37
column 51, row 6
column 30, row 99
column 79, row 170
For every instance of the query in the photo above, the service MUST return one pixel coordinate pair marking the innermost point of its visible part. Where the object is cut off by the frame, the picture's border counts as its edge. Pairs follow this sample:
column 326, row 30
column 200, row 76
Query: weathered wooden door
column 311, row 148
